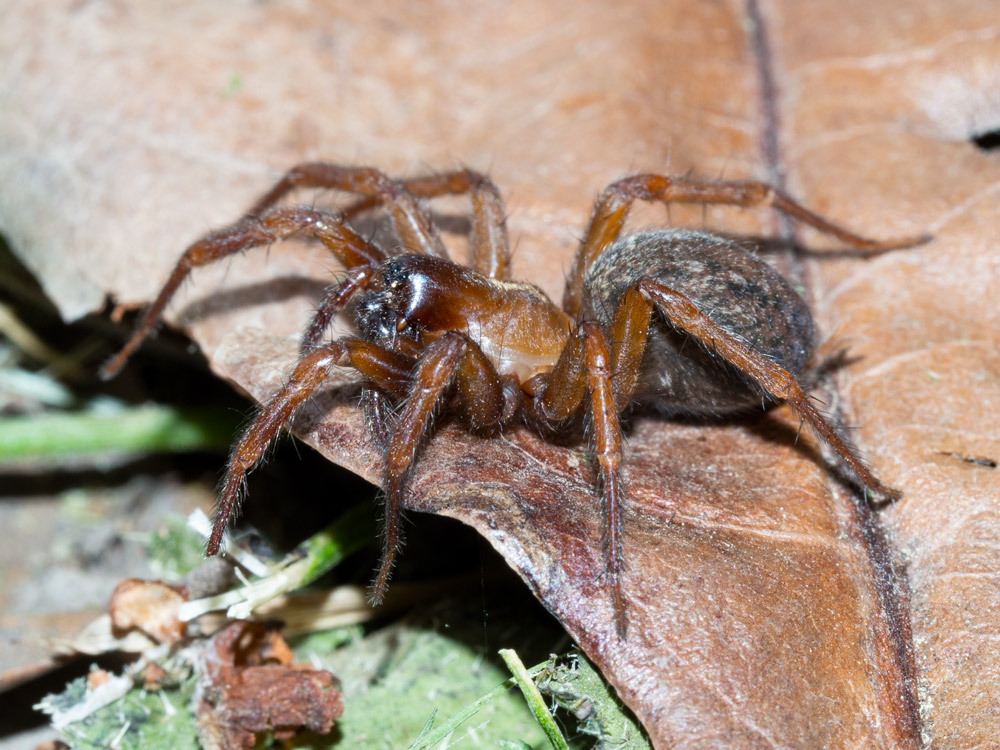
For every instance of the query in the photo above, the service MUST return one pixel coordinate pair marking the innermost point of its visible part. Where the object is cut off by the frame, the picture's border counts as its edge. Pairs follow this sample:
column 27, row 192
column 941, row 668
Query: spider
column 685, row 321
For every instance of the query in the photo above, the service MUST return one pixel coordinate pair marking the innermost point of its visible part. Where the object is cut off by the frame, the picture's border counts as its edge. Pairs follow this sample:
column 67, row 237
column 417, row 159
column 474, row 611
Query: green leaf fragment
column 534, row 699
column 145, row 429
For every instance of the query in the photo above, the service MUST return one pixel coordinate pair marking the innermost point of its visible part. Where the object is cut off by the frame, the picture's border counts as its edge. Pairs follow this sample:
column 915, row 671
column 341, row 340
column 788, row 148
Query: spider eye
column 393, row 276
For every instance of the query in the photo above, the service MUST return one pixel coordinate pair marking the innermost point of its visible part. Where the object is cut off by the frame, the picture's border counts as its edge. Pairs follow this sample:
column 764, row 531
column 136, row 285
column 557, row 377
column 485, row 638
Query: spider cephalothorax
column 687, row 321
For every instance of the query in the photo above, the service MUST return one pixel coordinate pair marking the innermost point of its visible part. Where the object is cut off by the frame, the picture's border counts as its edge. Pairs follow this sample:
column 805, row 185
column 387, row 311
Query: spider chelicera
column 684, row 320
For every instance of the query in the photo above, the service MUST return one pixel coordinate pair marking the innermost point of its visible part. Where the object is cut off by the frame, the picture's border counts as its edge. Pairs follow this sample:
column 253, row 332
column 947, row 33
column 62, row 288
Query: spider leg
column 411, row 223
column 379, row 418
column 452, row 358
column 334, row 299
column 490, row 249
column 387, row 370
column 681, row 312
column 584, row 371
column 350, row 248
column 424, row 186
column 614, row 203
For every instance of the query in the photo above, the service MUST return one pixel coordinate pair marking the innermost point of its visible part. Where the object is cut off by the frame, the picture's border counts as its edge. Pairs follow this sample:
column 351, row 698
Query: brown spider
column 684, row 320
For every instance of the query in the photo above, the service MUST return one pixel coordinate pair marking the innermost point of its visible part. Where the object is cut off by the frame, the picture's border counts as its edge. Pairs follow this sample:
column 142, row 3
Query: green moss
column 175, row 549
column 139, row 720
column 577, row 687
column 404, row 681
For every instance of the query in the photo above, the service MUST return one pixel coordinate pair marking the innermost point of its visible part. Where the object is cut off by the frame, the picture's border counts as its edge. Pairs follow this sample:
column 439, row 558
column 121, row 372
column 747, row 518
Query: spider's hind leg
column 613, row 205
column 681, row 312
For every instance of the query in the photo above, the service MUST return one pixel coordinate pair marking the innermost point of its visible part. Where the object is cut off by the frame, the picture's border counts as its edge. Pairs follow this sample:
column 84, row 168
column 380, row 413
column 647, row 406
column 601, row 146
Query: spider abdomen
column 733, row 287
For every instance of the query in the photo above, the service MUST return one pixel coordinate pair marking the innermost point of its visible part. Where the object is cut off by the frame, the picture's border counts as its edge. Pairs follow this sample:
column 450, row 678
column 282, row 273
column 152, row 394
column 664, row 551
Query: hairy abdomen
column 733, row 287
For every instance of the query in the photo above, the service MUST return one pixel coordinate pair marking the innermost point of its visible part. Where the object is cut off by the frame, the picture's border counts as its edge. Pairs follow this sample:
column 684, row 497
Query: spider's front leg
column 411, row 223
column 453, row 358
column 490, row 248
column 264, row 224
column 334, row 299
column 387, row 370
column 277, row 224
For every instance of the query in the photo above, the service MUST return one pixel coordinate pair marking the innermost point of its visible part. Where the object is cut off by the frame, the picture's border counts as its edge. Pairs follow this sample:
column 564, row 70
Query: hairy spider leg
column 583, row 373
column 609, row 375
column 385, row 369
column 334, row 298
column 379, row 414
column 614, row 203
column 452, row 358
column 489, row 246
column 277, row 224
column 412, row 225
column 682, row 313
column 376, row 405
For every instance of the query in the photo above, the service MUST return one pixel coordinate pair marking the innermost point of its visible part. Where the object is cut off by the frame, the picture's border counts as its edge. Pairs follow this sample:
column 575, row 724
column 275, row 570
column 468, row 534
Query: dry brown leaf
column 768, row 606
column 150, row 606
column 251, row 686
